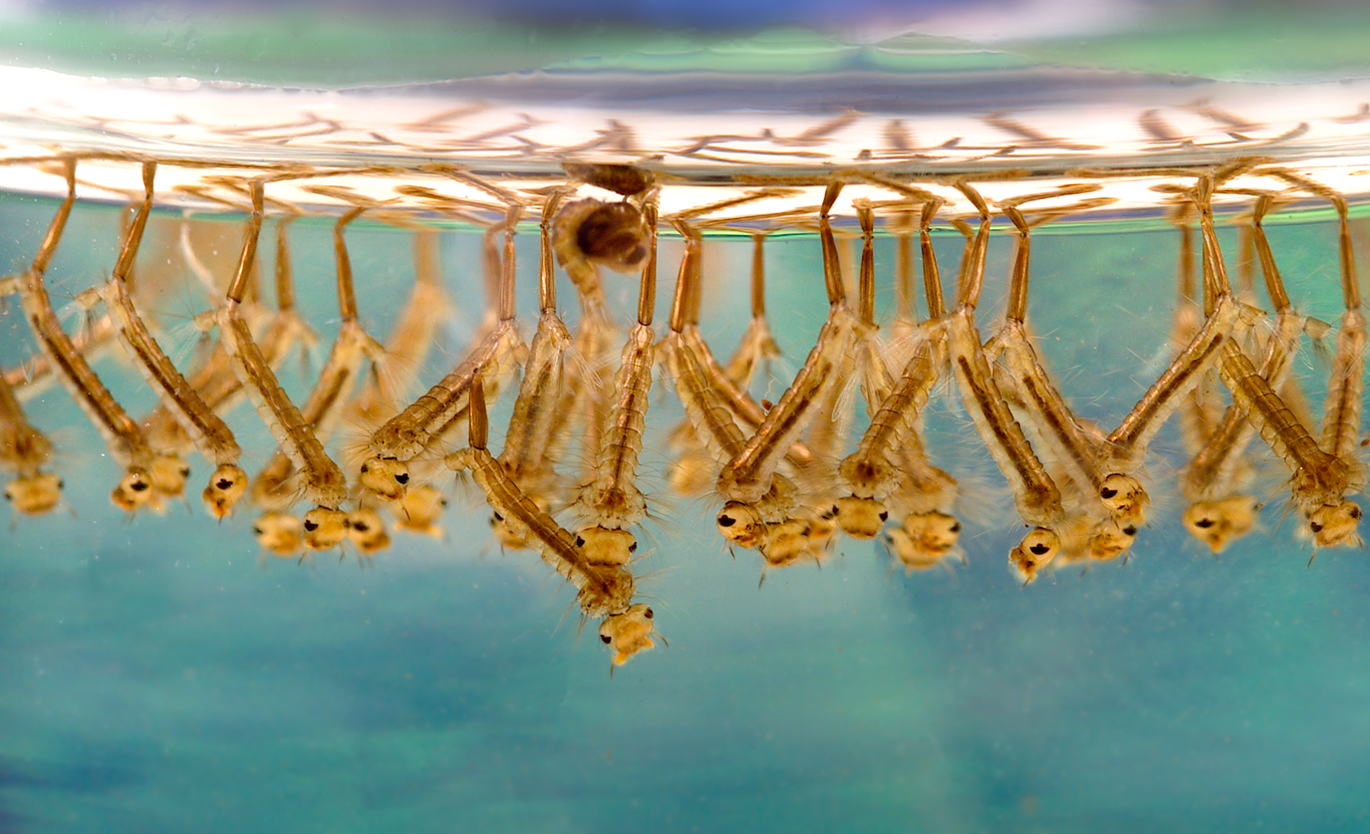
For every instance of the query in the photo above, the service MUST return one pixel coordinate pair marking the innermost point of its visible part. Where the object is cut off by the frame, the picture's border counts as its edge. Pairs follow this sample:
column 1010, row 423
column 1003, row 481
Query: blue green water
column 155, row 678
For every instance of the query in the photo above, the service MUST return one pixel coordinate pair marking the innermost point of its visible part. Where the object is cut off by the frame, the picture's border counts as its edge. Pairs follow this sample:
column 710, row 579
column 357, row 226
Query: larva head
column 227, row 485
column 169, row 475
column 786, row 543
column 1125, row 498
column 509, row 535
column 1110, row 539
column 933, row 533
column 325, row 528
column 36, row 494
column 386, row 478
column 741, row 524
column 822, row 526
column 860, row 518
column 419, row 510
column 279, row 533
column 134, row 490
column 606, row 547
column 1333, row 525
column 1219, row 523
column 366, row 529
column 1035, row 552
column 628, row 633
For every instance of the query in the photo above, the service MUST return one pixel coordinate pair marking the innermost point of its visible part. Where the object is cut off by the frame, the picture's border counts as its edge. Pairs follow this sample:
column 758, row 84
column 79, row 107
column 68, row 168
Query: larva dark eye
column 402, row 477
column 580, row 541
column 632, row 548
column 311, row 526
column 606, row 639
column 360, row 526
column 185, row 471
column 139, row 486
column 1355, row 513
column 1129, row 530
column 365, row 468
column 257, row 530
column 497, row 516
column 956, row 527
column 1204, row 523
column 649, row 614
column 884, row 515
column 726, row 520
column 1038, row 549
column 1108, row 492
column 1315, row 526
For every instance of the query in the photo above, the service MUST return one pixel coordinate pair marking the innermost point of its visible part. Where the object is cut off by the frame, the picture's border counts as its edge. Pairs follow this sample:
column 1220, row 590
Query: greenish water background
column 157, row 678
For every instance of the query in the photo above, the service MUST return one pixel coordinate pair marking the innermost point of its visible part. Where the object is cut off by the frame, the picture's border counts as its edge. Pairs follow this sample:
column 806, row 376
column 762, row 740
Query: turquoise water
column 158, row 679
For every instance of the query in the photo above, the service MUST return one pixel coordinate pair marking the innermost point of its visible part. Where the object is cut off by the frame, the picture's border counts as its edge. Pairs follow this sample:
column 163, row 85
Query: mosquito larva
column 1036, row 495
column 1321, row 480
column 211, row 436
column 23, row 451
column 215, row 381
column 740, row 523
column 889, row 457
column 1127, row 444
column 690, row 471
column 747, row 477
column 533, row 424
column 33, row 376
column 271, row 489
column 602, row 591
column 1081, row 452
column 1219, row 512
column 125, row 439
column 322, row 482
column 612, row 502
column 411, row 432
